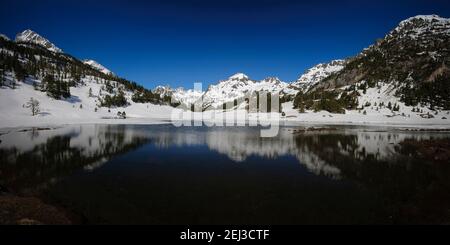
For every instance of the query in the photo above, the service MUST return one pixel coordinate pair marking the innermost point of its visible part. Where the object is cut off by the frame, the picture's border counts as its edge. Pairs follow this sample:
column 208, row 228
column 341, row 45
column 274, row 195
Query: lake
column 161, row 174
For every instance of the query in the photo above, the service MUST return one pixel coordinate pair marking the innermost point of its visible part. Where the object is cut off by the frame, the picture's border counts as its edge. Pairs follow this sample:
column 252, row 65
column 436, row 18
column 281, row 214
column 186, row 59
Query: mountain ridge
column 414, row 53
column 29, row 36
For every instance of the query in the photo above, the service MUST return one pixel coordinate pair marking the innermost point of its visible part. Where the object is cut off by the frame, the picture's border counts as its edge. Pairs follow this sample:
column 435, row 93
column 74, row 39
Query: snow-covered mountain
column 421, row 27
column 163, row 90
column 94, row 64
column 3, row 36
column 235, row 87
column 406, row 71
column 179, row 95
column 239, row 86
column 405, row 74
column 416, row 50
column 29, row 36
column 317, row 73
column 186, row 97
column 67, row 89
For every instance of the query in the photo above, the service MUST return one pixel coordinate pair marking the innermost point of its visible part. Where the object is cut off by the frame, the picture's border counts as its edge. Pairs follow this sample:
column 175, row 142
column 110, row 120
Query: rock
column 29, row 211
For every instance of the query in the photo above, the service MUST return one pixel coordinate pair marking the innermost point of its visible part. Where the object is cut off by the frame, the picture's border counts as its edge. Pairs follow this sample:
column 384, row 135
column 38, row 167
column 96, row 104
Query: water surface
column 160, row 174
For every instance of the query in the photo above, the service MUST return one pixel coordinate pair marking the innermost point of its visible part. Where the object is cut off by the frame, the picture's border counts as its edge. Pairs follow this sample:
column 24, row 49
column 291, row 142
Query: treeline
column 435, row 95
column 323, row 100
column 116, row 100
column 58, row 72
column 55, row 88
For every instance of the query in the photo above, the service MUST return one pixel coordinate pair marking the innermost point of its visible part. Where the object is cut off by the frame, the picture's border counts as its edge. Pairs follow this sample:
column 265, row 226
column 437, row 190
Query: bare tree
column 33, row 104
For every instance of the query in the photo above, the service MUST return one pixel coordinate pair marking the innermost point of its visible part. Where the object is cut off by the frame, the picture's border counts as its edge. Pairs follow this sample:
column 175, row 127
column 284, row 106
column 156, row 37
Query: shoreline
column 4, row 129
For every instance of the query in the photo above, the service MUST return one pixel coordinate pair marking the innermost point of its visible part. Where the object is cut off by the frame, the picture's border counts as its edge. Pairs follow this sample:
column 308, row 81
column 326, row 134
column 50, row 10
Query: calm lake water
column 136, row 174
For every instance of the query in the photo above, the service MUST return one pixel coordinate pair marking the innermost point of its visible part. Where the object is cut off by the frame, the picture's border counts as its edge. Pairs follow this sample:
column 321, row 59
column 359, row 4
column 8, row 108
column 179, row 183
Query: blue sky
column 179, row 42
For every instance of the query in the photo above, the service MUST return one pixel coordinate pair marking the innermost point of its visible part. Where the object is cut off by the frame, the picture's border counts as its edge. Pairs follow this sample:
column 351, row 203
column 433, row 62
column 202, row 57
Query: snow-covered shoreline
column 82, row 108
column 315, row 121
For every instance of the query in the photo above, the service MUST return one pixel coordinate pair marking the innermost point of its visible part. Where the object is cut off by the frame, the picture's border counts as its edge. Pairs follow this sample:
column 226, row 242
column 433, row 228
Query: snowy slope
column 235, row 87
column 165, row 90
column 239, row 86
column 179, row 95
column 317, row 73
column 94, row 64
column 186, row 97
column 83, row 108
column 420, row 26
column 4, row 37
column 79, row 108
column 29, row 36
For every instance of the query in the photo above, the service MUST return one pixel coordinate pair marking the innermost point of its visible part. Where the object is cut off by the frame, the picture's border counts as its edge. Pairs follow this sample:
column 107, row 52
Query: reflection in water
column 31, row 160
column 361, row 175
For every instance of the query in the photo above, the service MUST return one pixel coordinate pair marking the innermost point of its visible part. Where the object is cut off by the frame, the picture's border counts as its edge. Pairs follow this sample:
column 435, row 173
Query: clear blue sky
column 181, row 42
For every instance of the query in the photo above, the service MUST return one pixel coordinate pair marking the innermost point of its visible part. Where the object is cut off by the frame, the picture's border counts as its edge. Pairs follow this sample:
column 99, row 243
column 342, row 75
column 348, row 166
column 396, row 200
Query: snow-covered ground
column 80, row 109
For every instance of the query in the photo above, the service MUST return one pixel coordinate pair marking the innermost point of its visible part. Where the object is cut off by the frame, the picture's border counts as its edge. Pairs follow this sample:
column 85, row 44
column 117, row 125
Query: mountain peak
column 274, row 80
column 4, row 37
column 429, row 18
column 421, row 26
column 317, row 73
column 29, row 36
column 239, row 76
column 94, row 64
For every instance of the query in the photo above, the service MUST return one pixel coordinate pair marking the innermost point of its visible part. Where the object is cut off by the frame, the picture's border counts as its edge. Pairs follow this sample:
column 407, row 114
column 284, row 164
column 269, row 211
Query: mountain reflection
column 31, row 160
column 411, row 187
column 36, row 158
column 316, row 150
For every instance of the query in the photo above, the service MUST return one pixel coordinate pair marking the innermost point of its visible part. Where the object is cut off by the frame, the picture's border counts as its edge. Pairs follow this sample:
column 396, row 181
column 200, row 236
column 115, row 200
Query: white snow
column 239, row 76
column 317, row 73
column 186, row 97
column 68, row 111
column 29, row 36
column 94, row 64
column 417, row 26
column 240, row 85
column 4, row 37
column 373, row 115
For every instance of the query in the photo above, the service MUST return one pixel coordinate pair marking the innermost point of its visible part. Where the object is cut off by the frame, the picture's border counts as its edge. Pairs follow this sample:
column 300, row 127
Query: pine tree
column 20, row 73
column 1, row 78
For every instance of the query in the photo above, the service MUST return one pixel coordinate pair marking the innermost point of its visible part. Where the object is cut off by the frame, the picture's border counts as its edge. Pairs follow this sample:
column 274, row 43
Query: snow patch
column 29, row 36
column 94, row 64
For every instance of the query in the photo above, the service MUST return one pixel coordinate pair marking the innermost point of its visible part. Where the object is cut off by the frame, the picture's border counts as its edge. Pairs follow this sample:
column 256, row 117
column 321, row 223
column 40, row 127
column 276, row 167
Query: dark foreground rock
column 29, row 211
